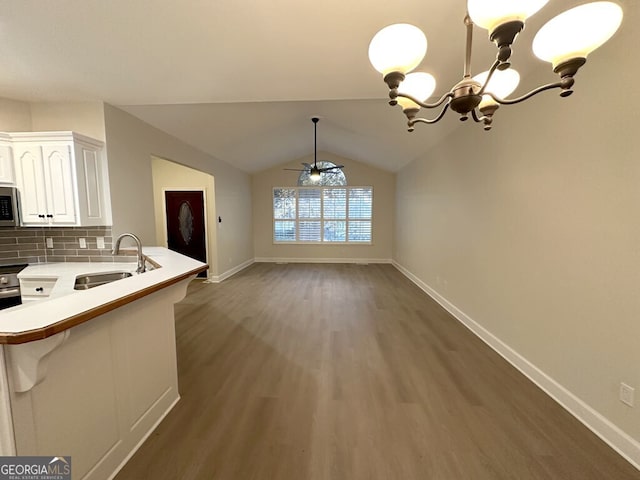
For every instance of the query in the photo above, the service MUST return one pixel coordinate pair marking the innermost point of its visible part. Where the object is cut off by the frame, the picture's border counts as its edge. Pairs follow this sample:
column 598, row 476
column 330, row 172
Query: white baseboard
column 231, row 272
column 621, row 442
column 321, row 260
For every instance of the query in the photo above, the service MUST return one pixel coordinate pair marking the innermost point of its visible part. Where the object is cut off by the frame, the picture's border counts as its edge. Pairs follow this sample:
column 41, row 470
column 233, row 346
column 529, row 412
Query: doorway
column 186, row 224
column 175, row 177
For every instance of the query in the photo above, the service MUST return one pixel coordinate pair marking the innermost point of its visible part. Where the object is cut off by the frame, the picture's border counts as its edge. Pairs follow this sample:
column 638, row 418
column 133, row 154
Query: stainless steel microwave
column 9, row 213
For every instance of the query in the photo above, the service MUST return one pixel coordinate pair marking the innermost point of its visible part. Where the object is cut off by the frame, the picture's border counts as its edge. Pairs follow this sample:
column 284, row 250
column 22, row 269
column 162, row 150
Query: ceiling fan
column 314, row 171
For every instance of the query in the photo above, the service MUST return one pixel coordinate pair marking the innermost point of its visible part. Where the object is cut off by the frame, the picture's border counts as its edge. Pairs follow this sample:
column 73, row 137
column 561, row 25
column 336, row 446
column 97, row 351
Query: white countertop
column 66, row 273
column 64, row 302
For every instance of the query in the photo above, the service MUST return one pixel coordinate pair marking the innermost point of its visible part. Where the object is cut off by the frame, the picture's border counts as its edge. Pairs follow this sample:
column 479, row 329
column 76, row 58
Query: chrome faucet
column 116, row 250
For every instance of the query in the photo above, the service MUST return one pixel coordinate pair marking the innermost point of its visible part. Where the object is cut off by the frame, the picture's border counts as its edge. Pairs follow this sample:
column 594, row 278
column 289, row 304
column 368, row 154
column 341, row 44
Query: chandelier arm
column 533, row 92
column 413, row 121
column 476, row 118
column 491, row 72
column 444, row 98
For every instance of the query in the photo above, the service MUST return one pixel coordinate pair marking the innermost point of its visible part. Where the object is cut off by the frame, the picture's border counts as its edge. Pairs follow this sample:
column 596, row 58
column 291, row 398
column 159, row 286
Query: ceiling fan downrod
column 315, row 172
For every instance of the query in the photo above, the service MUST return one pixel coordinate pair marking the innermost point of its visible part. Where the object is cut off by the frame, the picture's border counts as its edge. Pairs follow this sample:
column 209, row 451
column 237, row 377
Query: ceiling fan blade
column 296, row 169
column 328, row 169
column 308, row 165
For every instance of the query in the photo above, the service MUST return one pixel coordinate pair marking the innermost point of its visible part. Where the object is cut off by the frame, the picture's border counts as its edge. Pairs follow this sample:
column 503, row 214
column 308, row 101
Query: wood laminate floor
column 332, row 372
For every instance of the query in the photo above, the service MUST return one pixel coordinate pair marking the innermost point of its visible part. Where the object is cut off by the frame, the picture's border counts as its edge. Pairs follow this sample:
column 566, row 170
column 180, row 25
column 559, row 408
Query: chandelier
column 564, row 41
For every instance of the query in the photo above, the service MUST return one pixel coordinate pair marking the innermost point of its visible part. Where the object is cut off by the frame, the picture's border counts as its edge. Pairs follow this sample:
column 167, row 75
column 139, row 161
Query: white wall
column 172, row 176
column 357, row 174
column 15, row 116
column 131, row 144
column 532, row 231
column 86, row 118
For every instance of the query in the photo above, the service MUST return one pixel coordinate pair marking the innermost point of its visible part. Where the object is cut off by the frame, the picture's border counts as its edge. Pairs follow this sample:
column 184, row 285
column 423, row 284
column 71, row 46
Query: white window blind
column 309, row 231
column 335, row 203
column 360, row 203
column 284, row 203
column 284, row 214
column 322, row 215
column 309, row 203
column 360, row 231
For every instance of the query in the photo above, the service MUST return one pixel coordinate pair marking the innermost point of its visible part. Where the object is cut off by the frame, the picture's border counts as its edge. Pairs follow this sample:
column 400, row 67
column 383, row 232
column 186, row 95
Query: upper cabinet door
column 31, row 184
column 94, row 201
column 60, row 182
column 6, row 164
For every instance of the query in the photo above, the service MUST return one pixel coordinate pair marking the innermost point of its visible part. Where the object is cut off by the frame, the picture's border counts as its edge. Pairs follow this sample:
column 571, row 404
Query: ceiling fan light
column 314, row 176
column 577, row 32
column 419, row 85
column 397, row 48
column 489, row 14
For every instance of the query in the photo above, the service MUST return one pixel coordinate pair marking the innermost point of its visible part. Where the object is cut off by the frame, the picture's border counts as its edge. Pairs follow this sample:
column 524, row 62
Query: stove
column 9, row 285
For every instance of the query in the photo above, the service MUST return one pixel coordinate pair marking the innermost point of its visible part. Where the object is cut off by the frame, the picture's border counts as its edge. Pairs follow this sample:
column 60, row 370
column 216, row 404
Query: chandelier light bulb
column 577, row 32
column 397, row 48
column 502, row 84
column 419, row 85
column 490, row 14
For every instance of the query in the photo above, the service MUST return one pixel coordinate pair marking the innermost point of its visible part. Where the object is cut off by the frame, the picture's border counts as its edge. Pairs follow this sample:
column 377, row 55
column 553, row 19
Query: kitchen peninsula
column 89, row 374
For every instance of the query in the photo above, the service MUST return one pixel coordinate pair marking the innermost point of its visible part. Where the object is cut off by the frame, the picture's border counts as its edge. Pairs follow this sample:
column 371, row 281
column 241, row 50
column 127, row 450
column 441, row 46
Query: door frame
column 204, row 205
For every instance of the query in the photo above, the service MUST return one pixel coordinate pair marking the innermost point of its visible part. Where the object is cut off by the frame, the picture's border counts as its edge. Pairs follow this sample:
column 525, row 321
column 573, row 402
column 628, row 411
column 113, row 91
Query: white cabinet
column 6, row 161
column 62, row 179
column 45, row 181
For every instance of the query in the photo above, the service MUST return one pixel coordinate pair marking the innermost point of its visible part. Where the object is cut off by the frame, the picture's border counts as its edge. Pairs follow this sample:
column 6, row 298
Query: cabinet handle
column 41, row 216
column 39, row 289
column 50, row 215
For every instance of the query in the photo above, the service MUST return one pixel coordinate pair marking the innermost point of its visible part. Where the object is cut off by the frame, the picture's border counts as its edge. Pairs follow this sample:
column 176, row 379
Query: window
column 284, row 214
column 322, row 214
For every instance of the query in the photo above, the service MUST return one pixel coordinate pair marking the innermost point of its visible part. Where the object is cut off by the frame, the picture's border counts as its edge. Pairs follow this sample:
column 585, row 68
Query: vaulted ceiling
column 241, row 80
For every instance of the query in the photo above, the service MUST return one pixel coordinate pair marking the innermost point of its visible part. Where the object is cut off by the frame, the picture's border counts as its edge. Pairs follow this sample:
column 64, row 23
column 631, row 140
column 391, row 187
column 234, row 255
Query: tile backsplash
column 29, row 245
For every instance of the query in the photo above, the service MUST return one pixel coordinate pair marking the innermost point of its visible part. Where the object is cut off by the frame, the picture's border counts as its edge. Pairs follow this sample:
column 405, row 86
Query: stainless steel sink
column 85, row 282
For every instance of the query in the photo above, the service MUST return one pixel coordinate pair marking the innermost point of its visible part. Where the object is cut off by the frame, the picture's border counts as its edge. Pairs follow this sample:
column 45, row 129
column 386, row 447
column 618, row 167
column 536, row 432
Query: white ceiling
column 241, row 80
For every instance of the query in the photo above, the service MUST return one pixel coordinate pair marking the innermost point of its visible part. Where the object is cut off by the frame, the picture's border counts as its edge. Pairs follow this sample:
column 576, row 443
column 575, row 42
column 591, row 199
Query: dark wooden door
column 185, row 224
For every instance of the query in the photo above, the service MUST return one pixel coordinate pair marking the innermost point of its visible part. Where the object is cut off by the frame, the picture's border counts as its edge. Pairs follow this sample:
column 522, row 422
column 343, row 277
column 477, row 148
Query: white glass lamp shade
column 489, row 14
column 502, row 84
column 419, row 85
column 577, row 32
column 397, row 48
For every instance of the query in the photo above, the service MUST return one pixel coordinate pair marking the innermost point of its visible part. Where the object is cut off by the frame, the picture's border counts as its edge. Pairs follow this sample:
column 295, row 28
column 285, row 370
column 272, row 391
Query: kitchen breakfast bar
column 90, row 373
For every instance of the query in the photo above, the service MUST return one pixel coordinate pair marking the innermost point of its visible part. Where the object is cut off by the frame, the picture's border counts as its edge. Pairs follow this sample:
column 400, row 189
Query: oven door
column 9, row 297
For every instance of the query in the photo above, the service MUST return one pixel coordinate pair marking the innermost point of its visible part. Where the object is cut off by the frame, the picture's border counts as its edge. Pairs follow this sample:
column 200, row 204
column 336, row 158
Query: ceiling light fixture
column 565, row 42
column 315, row 172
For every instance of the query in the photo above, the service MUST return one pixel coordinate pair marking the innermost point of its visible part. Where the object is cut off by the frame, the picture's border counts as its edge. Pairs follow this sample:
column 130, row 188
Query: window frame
column 322, row 219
